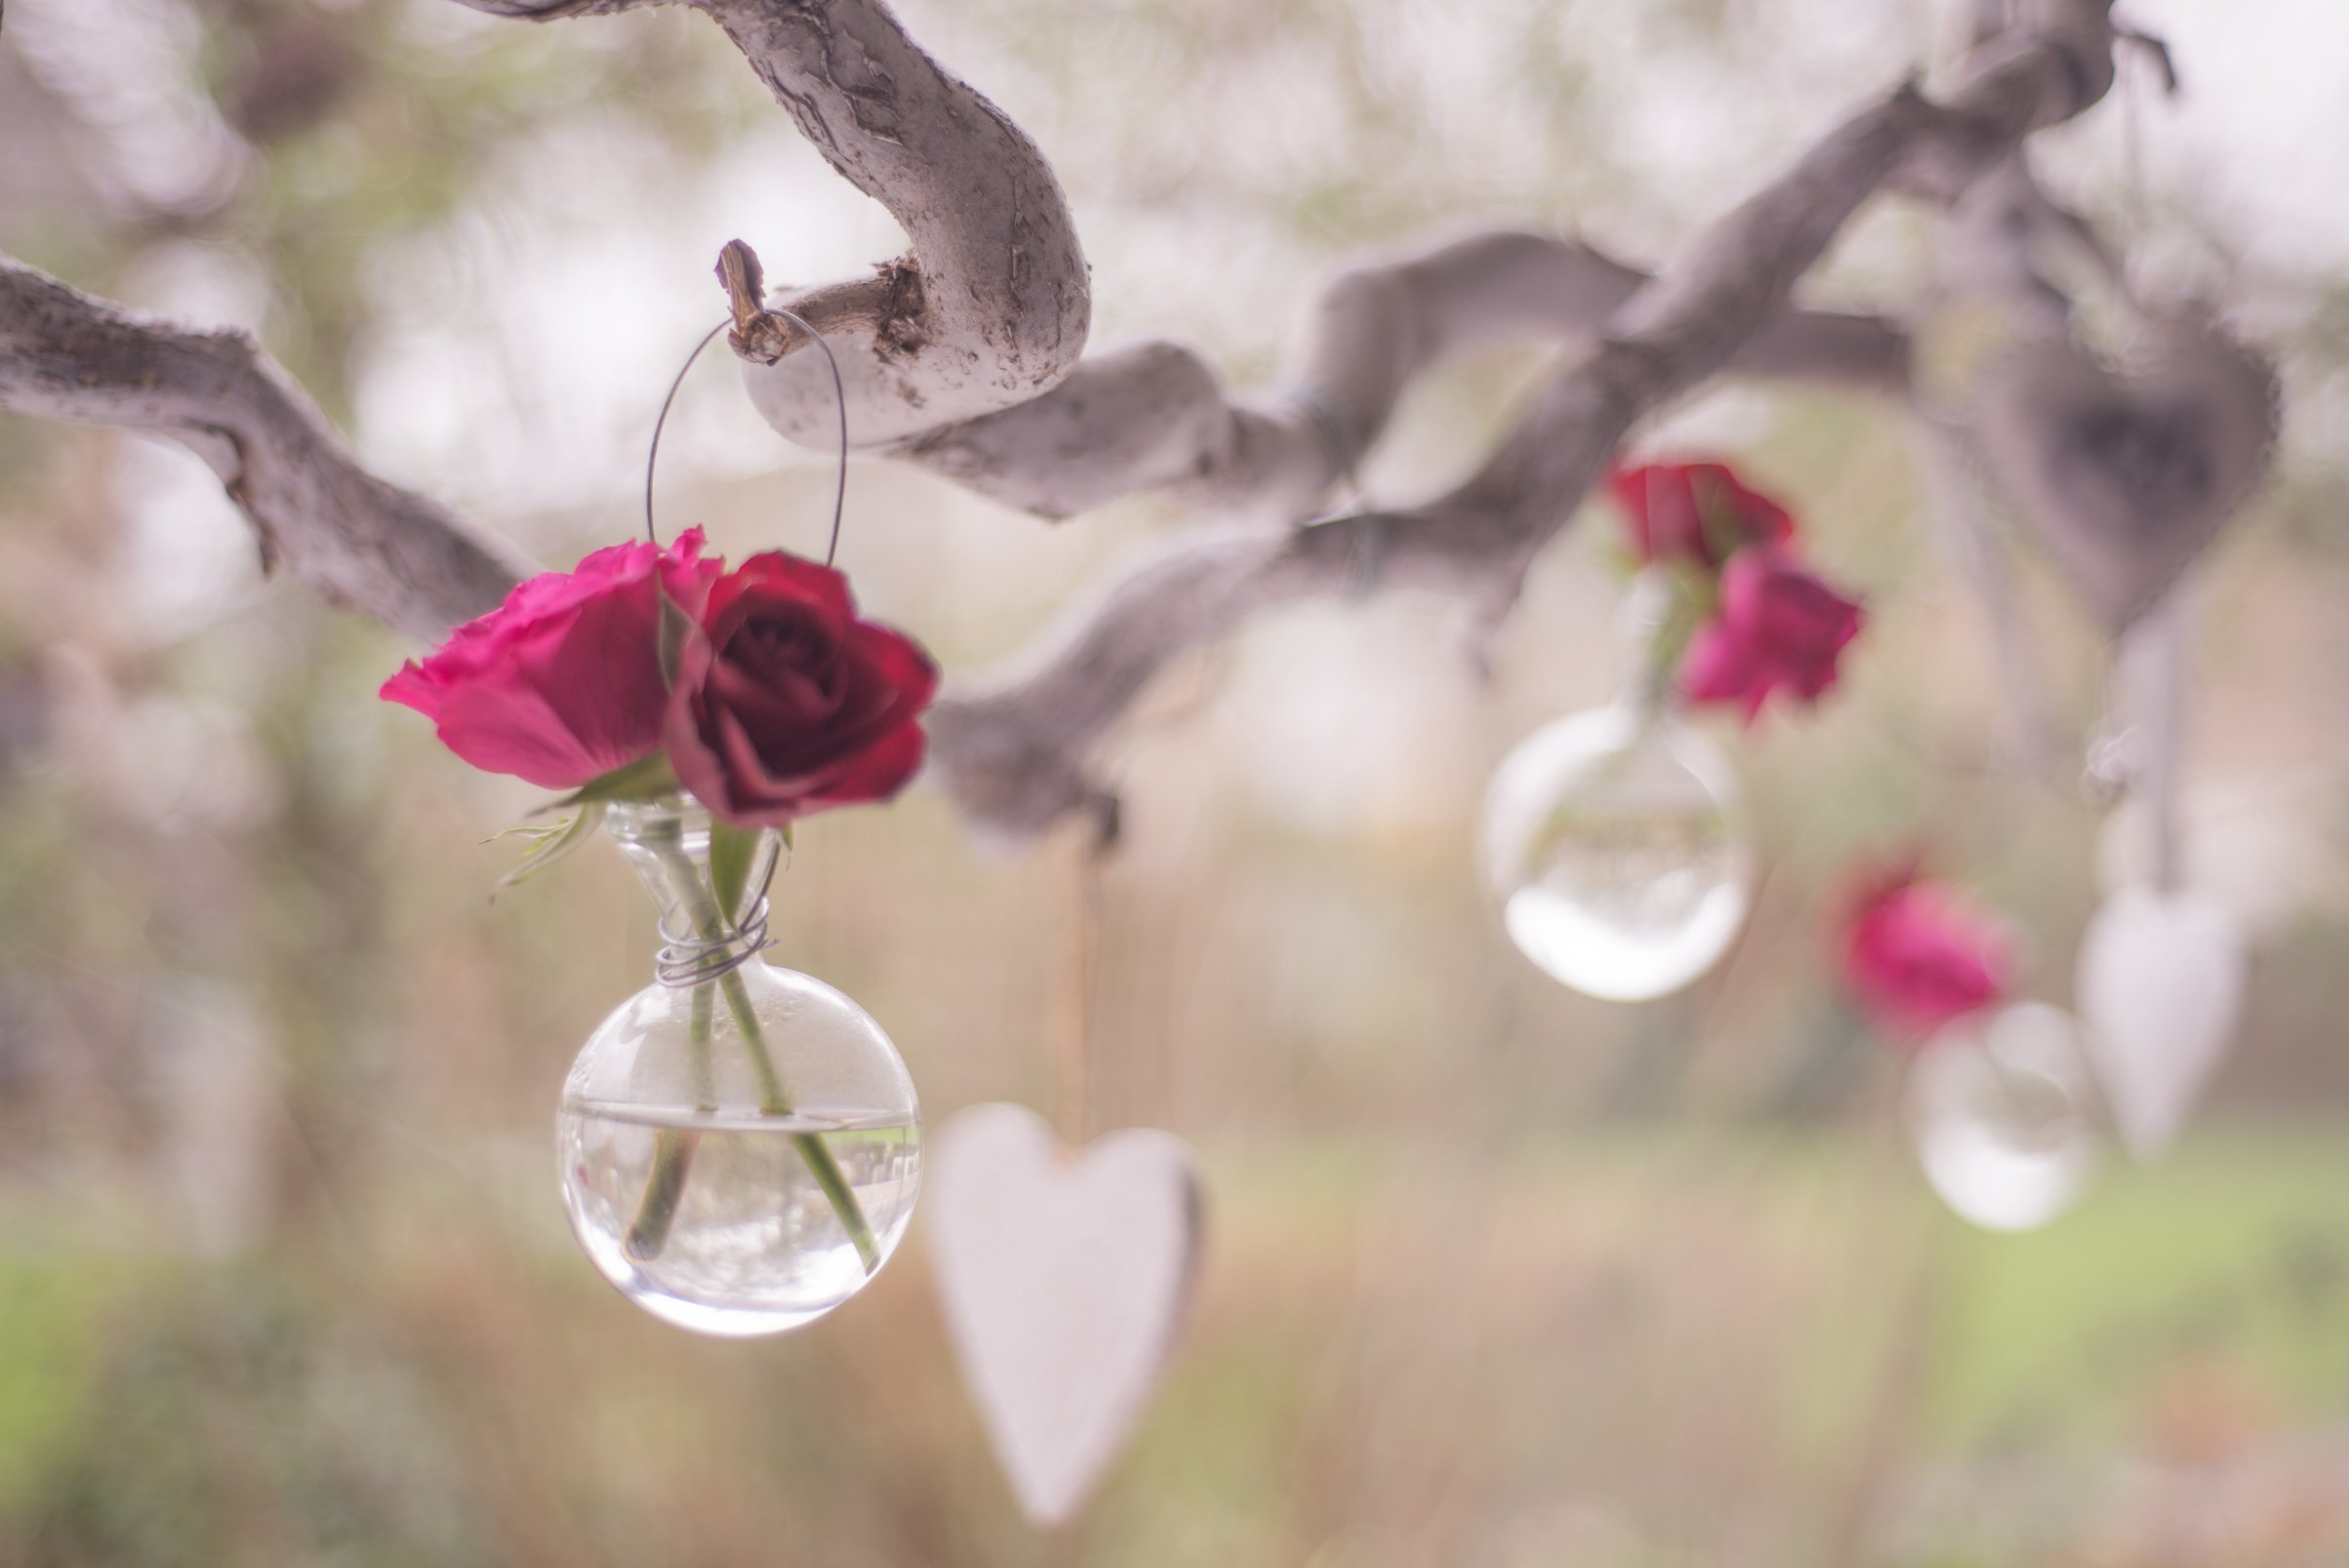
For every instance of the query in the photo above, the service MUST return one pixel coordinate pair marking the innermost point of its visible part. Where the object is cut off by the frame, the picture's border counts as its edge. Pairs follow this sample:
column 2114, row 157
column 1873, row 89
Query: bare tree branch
column 1155, row 417
column 951, row 347
column 1015, row 755
column 948, row 353
column 994, row 303
column 335, row 527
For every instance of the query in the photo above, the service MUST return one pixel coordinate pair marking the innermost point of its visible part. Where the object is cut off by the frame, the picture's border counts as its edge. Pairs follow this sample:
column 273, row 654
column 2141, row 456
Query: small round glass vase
column 1613, row 841
column 1997, row 1111
column 740, row 1144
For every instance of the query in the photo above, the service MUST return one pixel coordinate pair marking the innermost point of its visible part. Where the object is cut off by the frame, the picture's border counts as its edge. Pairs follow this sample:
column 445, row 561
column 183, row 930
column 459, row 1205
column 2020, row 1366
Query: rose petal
column 776, row 575
column 1700, row 512
column 877, row 773
column 786, row 704
column 563, row 681
column 1918, row 958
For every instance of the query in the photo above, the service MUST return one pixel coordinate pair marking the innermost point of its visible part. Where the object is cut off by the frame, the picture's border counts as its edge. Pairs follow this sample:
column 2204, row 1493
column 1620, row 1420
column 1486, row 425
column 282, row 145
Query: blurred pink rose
column 1780, row 628
column 1695, row 511
column 562, row 682
column 1916, row 956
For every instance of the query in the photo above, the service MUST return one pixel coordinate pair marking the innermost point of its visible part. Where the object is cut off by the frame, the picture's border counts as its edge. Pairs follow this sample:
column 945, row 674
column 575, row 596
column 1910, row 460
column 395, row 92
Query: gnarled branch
column 961, row 358
column 354, row 538
column 993, row 305
column 1015, row 755
column 1153, row 415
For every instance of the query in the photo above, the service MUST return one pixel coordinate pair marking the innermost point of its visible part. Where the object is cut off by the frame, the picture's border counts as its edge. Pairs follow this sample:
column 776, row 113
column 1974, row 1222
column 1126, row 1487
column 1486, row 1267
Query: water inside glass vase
column 740, row 1144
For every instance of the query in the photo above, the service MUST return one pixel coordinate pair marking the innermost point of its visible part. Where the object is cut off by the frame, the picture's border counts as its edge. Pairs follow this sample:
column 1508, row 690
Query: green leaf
column 550, row 844
column 732, row 849
column 649, row 779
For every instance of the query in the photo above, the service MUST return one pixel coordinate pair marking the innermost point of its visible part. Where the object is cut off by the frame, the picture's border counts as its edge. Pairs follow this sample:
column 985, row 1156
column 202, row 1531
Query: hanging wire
column 652, row 453
column 1073, row 1056
column 839, row 394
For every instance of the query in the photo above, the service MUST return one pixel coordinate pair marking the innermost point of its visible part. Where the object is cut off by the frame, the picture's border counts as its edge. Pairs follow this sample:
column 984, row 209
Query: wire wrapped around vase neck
column 711, row 924
column 687, row 959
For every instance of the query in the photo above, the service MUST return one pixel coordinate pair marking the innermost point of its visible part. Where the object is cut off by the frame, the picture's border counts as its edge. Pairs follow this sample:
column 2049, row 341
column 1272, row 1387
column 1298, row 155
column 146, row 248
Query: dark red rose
column 1918, row 957
column 562, row 682
column 1695, row 511
column 786, row 704
column 1780, row 628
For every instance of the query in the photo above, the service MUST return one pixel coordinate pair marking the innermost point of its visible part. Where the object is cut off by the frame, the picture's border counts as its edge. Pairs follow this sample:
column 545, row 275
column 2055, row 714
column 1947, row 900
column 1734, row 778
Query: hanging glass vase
column 1613, row 839
column 740, row 1146
column 1997, row 1111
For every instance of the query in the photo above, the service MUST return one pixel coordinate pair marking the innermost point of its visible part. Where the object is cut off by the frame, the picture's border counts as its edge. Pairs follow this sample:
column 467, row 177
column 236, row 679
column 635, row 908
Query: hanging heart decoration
column 2160, row 983
column 1065, row 1276
column 2126, row 478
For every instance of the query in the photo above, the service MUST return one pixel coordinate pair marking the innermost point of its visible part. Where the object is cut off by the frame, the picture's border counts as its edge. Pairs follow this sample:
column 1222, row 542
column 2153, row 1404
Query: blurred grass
column 1401, row 1353
column 2230, row 1257
column 52, row 1310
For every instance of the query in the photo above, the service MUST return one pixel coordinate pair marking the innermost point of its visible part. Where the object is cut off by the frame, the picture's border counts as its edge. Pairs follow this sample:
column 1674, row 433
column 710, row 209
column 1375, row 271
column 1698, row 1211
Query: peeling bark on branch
column 1003, row 305
column 335, row 527
column 994, row 303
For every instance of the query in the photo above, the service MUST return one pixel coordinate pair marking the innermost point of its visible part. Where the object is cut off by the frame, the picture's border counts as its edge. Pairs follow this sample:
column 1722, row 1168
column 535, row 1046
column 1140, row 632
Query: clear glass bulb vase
column 1613, row 839
column 1998, row 1110
column 740, row 1144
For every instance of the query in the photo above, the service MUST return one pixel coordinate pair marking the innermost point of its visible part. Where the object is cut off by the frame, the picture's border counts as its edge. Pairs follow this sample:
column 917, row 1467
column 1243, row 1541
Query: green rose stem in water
column 672, row 1148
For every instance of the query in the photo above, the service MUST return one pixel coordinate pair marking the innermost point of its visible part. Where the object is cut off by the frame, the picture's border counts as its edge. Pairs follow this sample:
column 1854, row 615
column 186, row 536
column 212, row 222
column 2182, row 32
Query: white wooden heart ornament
column 2124, row 479
column 2158, row 986
column 1065, row 1277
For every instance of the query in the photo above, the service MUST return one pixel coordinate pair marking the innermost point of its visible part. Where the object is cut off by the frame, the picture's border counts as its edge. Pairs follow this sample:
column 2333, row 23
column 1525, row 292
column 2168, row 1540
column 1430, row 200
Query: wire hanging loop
column 738, row 266
column 687, row 959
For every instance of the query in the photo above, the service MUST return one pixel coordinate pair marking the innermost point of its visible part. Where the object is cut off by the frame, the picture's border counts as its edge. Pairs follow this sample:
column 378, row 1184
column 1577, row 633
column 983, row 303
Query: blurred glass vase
column 1998, row 1112
column 740, row 1144
column 1613, row 839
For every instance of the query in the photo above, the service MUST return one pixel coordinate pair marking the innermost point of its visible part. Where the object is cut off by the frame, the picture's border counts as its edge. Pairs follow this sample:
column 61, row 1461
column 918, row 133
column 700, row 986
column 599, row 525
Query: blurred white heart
column 2158, row 985
column 1065, row 1276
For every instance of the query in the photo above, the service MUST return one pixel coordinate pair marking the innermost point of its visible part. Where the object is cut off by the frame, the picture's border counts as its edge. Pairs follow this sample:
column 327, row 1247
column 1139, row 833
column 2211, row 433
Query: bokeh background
column 1499, row 1277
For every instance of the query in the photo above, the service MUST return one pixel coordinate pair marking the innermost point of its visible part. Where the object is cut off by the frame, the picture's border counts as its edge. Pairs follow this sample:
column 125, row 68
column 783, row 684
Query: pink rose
column 1918, row 957
column 1780, row 628
column 1695, row 511
column 562, row 682
column 788, row 703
